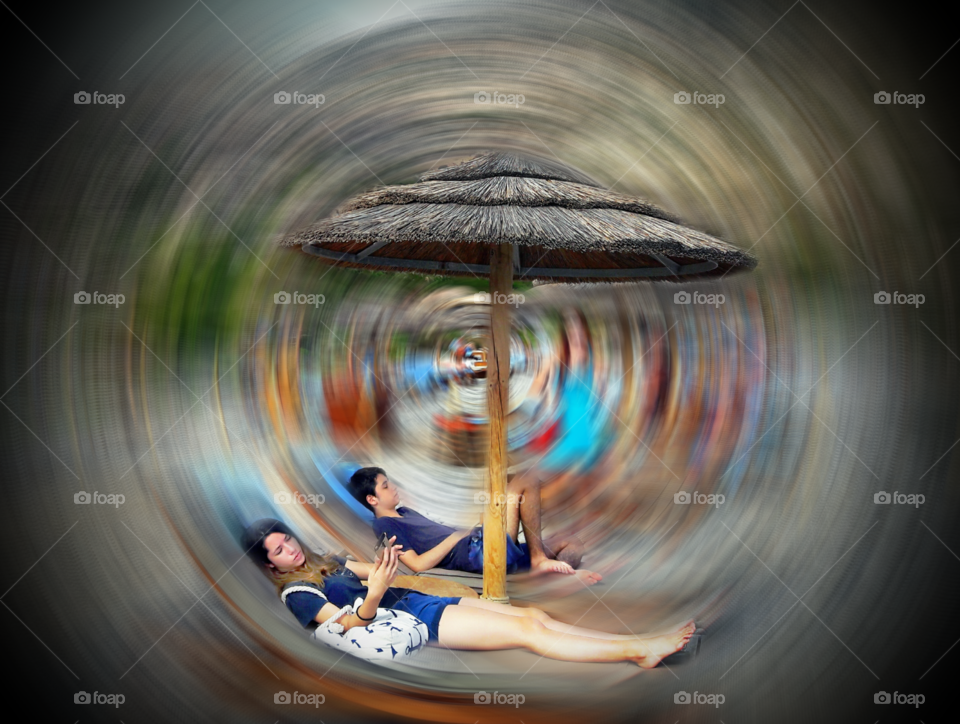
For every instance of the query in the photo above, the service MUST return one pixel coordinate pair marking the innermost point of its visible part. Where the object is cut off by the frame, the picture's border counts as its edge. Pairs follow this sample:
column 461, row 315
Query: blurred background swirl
column 200, row 402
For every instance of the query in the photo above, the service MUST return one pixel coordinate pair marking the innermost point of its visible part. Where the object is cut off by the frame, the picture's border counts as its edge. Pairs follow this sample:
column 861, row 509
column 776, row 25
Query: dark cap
column 254, row 534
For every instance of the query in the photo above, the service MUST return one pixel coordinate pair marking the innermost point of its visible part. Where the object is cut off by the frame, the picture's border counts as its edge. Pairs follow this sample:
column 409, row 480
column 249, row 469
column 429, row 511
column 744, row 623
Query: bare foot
column 585, row 577
column 550, row 587
column 589, row 577
column 653, row 650
column 550, row 565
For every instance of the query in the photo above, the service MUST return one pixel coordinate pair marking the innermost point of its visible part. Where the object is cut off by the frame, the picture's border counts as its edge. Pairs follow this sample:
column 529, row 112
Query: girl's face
column 283, row 552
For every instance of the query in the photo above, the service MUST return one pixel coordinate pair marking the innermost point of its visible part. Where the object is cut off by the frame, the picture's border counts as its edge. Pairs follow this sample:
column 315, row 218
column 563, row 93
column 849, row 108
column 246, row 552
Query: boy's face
column 387, row 496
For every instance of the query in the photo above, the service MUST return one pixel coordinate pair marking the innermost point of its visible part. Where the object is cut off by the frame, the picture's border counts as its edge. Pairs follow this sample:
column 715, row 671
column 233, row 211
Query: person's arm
column 383, row 571
column 362, row 569
column 368, row 610
column 428, row 559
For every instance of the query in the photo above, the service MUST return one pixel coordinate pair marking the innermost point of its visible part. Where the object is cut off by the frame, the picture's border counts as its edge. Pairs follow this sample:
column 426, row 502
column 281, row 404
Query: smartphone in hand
column 381, row 544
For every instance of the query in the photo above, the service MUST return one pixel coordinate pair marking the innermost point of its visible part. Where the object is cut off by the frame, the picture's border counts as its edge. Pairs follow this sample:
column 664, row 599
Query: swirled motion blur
column 769, row 453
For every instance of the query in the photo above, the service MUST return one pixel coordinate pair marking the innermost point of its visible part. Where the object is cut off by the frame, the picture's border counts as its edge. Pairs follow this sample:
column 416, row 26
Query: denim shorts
column 518, row 554
column 427, row 608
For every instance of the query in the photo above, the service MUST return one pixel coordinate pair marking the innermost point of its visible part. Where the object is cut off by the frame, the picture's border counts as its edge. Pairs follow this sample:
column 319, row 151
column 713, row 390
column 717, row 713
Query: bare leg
column 545, row 619
column 523, row 506
column 519, row 488
column 558, row 554
column 479, row 629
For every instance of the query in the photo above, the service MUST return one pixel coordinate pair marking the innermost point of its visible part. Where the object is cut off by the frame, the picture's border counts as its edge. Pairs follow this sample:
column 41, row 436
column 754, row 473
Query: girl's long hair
column 313, row 569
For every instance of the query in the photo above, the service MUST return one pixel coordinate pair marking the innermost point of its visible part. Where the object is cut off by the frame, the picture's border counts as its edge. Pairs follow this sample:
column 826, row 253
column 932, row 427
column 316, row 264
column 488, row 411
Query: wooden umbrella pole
column 498, row 376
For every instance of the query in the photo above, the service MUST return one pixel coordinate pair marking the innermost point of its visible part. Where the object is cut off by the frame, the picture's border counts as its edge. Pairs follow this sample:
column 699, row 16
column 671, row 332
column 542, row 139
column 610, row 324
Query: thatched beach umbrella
column 506, row 215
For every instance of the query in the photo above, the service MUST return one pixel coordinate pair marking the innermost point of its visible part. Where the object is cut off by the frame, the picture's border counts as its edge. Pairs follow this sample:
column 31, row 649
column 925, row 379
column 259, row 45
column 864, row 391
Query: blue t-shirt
column 582, row 436
column 339, row 588
column 419, row 534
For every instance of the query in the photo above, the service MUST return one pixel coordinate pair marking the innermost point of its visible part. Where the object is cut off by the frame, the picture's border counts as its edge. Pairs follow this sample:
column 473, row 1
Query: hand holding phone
column 381, row 544
column 383, row 572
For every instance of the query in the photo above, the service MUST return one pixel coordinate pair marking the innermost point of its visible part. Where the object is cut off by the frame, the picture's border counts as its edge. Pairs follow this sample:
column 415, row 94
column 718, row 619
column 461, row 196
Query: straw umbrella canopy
column 506, row 215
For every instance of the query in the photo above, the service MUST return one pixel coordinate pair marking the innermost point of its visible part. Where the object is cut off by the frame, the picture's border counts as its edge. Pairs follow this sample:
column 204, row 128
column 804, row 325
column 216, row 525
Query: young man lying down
column 428, row 544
